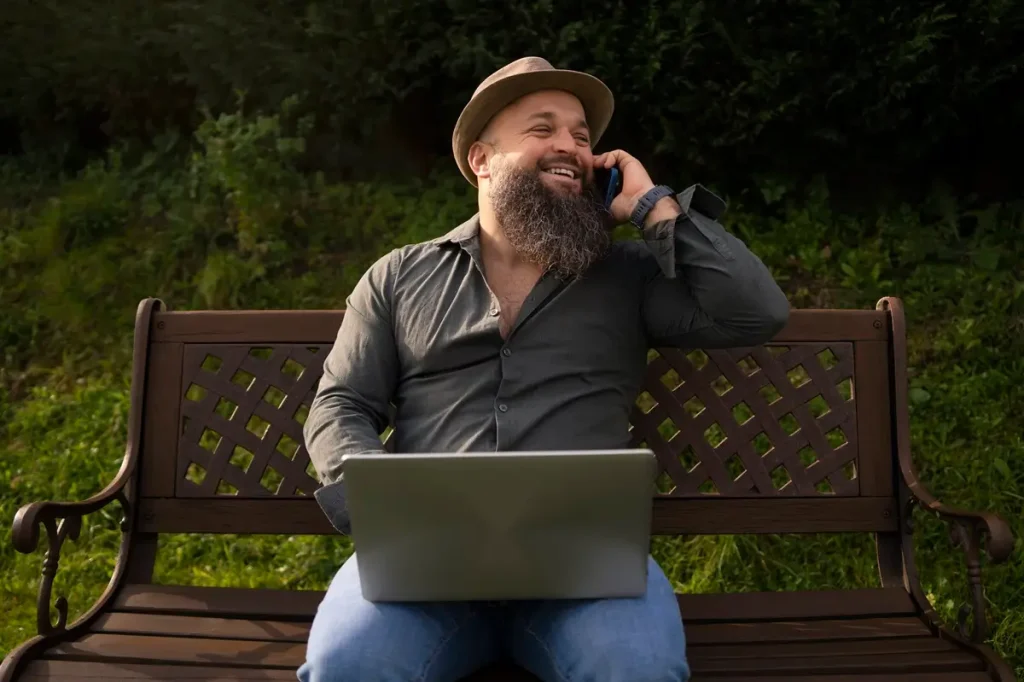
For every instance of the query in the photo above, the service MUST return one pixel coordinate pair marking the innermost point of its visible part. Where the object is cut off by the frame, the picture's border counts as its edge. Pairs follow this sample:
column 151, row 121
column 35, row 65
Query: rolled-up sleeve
column 707, row 288
column 351, row 406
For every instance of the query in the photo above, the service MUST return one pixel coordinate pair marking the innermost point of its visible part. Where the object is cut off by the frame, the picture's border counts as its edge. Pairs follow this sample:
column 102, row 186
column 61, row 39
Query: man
column 525, row 328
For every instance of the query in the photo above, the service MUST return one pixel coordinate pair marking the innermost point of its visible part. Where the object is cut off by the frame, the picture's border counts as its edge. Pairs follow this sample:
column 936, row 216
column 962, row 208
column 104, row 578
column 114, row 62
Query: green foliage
column 222, row 230
column 238, row 223
column 732, row 89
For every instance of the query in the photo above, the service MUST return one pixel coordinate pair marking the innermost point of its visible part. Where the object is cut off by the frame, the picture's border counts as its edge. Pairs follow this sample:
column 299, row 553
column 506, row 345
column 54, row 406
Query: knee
column 338, row 662
column 347, row 655
column 625, row 664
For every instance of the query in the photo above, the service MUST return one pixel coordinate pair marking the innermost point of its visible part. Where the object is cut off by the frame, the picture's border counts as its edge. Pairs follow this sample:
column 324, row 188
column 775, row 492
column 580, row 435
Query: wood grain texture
column 737, row 607
column 669, row 516
column 160, row 425
column 321, row 326
column 697, row 633
column 874, row 428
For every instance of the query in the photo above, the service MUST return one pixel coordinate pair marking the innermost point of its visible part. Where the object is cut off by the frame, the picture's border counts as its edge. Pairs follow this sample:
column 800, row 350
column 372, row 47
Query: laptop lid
column 498, row 526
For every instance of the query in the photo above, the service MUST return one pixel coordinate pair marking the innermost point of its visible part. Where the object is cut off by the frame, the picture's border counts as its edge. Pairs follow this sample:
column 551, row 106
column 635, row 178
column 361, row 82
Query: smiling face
column 534, row 167
column 544, row 132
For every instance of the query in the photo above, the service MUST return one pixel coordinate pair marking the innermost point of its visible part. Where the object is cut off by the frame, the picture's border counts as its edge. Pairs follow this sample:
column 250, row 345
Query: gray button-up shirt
column 420, row 332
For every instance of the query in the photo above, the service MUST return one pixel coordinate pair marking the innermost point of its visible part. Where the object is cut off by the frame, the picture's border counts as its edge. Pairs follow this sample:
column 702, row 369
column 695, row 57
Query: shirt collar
column 466, row 232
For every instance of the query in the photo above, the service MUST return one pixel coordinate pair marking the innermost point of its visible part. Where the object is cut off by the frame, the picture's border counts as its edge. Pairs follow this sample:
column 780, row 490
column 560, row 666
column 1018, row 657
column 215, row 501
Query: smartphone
column 609, row 183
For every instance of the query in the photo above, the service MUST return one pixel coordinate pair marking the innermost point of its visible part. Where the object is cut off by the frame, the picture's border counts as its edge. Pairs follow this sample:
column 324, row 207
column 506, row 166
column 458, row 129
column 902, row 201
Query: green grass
column 76, row 256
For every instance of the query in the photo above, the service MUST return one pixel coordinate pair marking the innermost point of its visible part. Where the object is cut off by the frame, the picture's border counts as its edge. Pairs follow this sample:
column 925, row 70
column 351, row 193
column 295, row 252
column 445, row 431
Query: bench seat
column 154, row 632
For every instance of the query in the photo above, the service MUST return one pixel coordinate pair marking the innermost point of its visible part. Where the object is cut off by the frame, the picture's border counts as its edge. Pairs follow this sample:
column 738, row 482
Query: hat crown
column 523, row 65
column 518, row 79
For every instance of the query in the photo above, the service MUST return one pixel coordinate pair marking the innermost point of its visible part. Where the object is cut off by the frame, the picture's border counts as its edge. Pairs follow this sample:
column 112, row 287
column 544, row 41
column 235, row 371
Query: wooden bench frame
column 148, row 487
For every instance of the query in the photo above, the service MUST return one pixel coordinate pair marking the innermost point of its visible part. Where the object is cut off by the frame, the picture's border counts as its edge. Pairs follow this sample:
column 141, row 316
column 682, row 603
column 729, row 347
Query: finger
column 617, row 157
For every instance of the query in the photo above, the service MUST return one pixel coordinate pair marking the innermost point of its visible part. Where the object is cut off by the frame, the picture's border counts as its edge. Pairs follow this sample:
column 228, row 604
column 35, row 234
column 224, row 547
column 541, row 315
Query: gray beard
column 562, row 233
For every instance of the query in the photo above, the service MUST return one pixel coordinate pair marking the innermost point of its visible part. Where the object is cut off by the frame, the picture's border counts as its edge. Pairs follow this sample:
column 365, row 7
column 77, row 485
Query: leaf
column 987, row 259
column 919, row 395
column 1002, row 467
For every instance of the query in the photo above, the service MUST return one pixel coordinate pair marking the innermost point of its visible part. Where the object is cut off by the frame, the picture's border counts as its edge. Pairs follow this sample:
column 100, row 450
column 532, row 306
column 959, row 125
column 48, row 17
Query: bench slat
column 845, row 665
column 798, row 631
column 910, row 655
column 773, row 606
column 683, row 516
column 321, row 326
column 696, row 633
column 153, row 649
column 859, row 677
column 859, row 648
column 37, row 671
column 302, row 604
column 40, row 671
column 198, row 626
column 224, row 601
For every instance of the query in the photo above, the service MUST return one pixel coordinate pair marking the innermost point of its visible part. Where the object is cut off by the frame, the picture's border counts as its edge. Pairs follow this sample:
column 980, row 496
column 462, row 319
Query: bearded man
column 525, row 328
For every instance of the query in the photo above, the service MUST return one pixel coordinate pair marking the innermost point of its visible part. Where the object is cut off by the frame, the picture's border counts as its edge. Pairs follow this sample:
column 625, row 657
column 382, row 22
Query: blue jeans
column 600, row 640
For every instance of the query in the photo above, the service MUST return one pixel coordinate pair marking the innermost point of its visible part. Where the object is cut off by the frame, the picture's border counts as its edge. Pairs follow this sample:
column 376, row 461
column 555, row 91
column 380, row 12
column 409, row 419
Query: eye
column 583, row 139
column 541, row 129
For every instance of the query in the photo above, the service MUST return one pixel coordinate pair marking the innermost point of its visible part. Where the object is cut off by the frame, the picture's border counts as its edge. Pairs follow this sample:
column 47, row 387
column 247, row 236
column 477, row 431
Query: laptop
column 501, row 526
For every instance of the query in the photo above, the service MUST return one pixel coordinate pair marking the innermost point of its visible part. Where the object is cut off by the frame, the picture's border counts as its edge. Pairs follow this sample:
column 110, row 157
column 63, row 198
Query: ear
column 479, row 155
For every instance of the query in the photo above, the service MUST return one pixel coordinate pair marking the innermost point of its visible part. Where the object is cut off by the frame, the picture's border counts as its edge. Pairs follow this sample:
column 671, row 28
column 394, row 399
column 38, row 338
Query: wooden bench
column 823, row 447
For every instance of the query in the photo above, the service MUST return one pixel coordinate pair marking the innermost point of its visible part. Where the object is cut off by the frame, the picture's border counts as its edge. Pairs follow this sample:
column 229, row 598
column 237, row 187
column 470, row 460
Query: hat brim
column 596, row 98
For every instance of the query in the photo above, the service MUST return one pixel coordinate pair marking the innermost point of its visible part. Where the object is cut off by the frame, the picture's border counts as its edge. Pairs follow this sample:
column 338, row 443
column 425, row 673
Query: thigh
column 604, row 639
column 354, row 639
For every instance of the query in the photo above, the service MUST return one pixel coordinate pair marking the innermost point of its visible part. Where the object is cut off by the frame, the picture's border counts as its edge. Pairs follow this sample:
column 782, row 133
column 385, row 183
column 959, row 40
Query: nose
column 563, row 142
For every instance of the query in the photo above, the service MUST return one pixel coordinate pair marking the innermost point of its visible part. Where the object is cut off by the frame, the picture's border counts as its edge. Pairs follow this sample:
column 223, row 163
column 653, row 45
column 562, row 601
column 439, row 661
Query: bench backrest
column 792, row 436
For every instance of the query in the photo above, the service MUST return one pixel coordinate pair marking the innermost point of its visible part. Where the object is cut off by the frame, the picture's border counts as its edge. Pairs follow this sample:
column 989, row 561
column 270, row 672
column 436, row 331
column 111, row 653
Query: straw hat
column 519, row 78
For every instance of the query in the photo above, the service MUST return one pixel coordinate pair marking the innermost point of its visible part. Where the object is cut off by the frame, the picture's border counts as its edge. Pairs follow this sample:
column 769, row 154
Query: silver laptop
column 501, row 526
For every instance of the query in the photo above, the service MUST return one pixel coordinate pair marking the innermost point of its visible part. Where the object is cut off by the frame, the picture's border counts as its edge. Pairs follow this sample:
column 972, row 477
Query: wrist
column 635, row 199
column 653, row 204
column 667, row 208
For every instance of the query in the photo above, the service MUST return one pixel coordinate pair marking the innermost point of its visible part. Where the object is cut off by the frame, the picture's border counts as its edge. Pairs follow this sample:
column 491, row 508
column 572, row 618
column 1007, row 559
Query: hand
column 635, row 183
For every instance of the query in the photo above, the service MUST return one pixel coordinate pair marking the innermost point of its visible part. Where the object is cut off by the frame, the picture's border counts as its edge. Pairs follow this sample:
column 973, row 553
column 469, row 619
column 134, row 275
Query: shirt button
column 506, row 352
column 494, row 312
column 503, row 407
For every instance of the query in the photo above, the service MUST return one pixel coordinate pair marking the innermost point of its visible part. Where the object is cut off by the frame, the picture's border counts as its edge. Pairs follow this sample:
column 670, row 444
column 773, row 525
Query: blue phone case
column 613, row 186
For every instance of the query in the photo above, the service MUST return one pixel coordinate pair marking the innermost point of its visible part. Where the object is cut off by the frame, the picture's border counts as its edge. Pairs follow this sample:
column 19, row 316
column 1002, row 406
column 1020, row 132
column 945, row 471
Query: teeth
column 562, row 171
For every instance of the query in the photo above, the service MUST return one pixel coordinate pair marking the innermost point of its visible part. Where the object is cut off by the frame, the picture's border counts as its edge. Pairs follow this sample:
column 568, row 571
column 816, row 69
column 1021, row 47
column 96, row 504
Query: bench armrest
column 25, row 533
column 984, row 526
column 63, row 520
column 970, row 530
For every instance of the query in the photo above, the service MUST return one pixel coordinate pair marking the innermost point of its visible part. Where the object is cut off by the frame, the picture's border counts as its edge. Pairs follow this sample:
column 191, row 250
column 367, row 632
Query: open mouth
column 562, row 172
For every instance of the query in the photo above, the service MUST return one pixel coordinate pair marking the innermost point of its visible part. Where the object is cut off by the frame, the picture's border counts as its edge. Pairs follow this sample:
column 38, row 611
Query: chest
column 511, row 287
column 450, row 314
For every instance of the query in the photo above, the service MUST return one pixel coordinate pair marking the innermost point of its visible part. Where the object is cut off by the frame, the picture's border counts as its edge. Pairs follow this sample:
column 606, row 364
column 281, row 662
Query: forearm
column 736, row 299
column 338, row 425
column 351, row 406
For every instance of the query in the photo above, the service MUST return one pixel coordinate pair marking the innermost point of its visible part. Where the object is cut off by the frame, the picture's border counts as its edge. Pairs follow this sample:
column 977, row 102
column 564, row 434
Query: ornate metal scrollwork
column 57, row 531
column 965, row 534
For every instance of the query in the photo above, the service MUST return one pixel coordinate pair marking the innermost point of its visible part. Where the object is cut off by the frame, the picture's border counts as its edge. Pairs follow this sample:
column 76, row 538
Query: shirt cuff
column 700, row 207
column 331, row 498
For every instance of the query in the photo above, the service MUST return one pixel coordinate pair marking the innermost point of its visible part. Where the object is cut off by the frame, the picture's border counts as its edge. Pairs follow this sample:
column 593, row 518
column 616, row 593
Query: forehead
column 558, row 102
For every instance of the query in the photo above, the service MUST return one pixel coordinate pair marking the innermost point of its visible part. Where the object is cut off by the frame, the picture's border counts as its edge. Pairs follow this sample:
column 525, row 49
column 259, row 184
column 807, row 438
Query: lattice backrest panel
column 771, row 420
column 242, row 410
